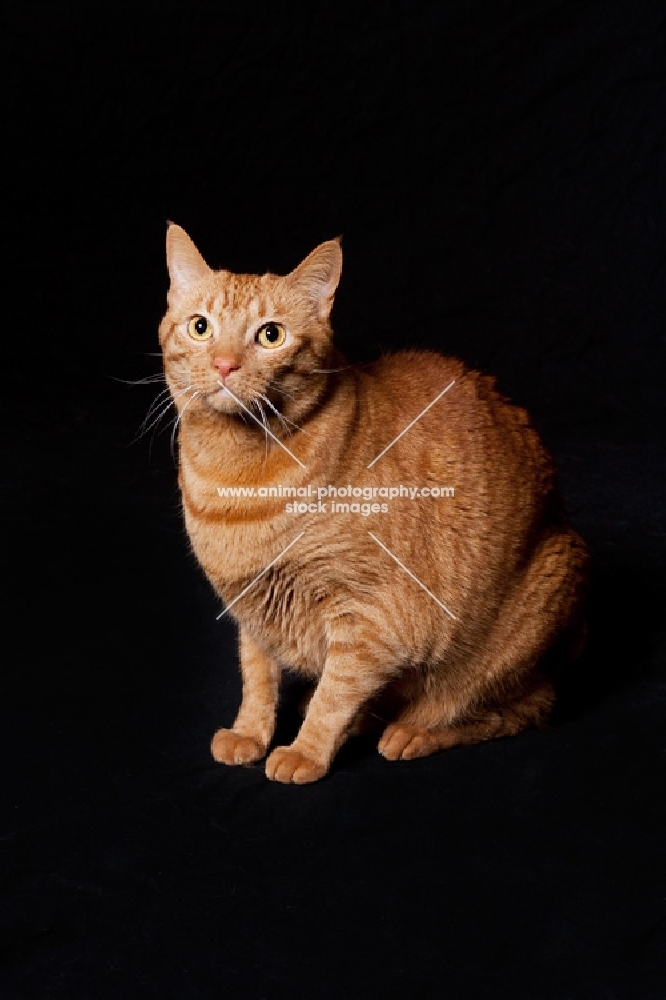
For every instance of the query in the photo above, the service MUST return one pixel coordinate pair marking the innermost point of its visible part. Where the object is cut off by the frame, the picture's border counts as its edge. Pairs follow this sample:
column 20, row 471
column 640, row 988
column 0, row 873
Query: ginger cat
column 430, row 613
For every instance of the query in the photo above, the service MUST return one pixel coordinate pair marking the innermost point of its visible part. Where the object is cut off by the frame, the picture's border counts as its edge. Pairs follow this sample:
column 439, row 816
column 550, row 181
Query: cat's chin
column 222, row 402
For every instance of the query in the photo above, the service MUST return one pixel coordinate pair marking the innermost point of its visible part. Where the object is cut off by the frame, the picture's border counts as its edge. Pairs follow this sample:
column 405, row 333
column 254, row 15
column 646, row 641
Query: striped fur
column 336, row 607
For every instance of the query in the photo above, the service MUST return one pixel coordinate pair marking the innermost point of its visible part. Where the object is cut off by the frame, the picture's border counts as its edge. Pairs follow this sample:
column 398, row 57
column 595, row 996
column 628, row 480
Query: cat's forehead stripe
column 238, row 293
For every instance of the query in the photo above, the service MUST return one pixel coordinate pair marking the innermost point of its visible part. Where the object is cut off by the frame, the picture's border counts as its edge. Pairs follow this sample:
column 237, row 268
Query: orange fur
column 336, row 607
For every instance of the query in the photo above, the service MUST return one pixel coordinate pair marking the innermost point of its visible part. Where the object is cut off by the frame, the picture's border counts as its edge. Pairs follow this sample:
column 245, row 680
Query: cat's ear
column 185, row 263
column 318, row 275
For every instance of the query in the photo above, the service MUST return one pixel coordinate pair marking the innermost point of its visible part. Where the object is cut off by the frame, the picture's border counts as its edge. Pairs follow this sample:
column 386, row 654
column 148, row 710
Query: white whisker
column 284, row 420
column 256, row 419
column 277, row 413
column 296, row 426
column 329, row 371
column 158, row 401
column 178, row 419
column 276, row 388
column 283, row 392
column 163, row 410
column 159, row 377
column 265, row 423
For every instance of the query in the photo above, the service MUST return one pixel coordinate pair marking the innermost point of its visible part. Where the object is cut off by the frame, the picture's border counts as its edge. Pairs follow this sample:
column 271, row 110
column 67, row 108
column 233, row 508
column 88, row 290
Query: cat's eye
column 199, row 328
column 271, row 335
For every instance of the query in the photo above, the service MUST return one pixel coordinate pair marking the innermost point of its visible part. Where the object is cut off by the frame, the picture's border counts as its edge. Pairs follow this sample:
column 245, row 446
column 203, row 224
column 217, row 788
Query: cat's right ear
column 185, row 263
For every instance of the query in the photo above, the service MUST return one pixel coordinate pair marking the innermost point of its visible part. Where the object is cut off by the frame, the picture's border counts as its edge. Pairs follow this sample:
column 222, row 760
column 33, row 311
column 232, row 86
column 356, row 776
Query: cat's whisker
column 265, row 423
column 345, row 368
column 296, row 426
column 329, row 371
column 160, row 393
column 165, row 409
column 196, row 393
column 158, row 401
column 285, row 420
column 159, row 377
column 277, row 413
column 283, row 392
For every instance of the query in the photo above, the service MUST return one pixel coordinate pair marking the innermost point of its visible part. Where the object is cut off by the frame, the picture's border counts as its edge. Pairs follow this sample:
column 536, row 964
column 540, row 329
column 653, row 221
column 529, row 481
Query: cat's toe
column 289, row 765
column 228, row 747
column 401, row 742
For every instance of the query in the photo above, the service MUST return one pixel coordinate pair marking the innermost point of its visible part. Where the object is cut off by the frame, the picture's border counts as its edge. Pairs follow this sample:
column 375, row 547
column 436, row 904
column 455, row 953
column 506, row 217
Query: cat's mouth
column 225, row 400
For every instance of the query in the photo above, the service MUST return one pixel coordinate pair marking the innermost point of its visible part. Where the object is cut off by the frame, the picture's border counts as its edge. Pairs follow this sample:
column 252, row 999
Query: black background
column 498, row 175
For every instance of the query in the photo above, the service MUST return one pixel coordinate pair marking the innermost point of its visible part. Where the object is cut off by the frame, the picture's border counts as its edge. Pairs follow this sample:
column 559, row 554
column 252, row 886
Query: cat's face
column 257, row 340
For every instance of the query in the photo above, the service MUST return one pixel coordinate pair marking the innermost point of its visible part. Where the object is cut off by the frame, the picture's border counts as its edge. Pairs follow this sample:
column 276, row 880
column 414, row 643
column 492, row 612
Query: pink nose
column 224, row 366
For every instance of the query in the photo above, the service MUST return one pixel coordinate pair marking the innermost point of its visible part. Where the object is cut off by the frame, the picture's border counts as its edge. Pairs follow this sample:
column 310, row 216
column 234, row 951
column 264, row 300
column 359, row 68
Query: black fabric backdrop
column 498, row 175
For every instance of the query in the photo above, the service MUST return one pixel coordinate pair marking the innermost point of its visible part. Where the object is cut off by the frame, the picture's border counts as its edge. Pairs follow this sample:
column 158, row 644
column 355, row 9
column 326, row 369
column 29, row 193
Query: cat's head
column 259, row 340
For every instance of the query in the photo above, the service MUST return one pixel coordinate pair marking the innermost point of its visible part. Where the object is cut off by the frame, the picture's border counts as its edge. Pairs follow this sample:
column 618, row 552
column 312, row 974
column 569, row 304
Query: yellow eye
column 199, row 328
column 271, row 335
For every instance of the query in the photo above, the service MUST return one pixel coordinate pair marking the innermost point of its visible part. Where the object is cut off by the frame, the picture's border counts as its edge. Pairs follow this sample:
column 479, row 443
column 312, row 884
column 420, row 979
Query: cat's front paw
column 401, row 742
column 290, row 765
column 229, row 747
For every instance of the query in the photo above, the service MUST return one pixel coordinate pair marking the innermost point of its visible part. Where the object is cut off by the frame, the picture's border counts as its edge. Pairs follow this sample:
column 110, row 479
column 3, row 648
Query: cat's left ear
column 319, row 274
column 185, row 263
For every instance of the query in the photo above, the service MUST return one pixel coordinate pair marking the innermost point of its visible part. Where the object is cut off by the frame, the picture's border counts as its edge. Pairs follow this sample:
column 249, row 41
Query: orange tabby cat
column 433, row 613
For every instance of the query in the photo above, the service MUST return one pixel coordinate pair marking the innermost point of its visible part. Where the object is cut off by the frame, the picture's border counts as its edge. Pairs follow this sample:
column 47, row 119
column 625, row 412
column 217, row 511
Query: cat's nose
column 225, row 365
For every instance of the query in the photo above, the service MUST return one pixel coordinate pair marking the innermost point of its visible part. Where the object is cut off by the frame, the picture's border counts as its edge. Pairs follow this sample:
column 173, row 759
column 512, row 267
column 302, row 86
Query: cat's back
column 454, row 403
column 459, row 431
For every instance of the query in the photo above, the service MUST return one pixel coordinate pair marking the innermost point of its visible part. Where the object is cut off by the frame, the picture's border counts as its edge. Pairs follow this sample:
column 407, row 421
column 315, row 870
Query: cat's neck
column 226, row 445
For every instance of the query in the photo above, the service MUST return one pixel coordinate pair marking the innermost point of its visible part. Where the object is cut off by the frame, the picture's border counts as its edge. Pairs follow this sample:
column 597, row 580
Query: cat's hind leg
column 501, row 691
column 406, row 740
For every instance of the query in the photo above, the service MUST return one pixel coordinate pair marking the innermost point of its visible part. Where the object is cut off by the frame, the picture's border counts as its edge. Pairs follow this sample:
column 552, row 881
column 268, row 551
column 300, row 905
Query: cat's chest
column 250, row 552
column 267, row 593
column 230, row 534
column 286, row 621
